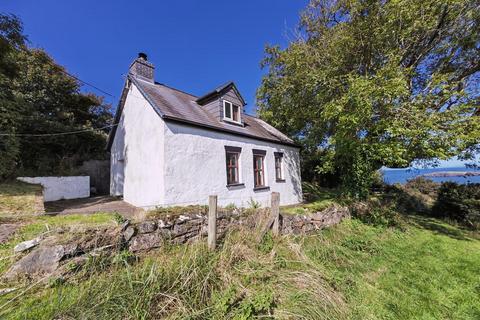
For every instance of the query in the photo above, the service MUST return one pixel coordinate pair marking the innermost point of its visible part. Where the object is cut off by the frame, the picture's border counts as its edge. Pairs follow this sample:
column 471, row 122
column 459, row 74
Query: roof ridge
column 181, row 91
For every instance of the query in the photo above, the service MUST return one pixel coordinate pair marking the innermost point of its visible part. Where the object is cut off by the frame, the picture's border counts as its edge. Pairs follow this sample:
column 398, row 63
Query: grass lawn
column 19, row 198
column 430, row 270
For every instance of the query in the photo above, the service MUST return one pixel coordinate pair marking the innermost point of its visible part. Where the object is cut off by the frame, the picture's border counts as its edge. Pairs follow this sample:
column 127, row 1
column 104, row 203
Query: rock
column 128, row 233
column 43, row 260
column 25, row 245
column 71, row 249
column 6, row 291
column 164, row 224
column 147, row 227
column 181, row 229
column 145, row 241
column 124, row 225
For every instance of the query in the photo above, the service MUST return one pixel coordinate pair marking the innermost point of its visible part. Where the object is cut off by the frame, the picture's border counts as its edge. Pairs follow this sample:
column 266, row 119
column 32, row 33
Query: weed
column 254, row 204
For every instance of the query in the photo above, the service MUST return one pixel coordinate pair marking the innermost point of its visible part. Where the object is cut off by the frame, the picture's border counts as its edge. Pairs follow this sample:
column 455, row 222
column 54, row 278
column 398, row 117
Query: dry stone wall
column 48, row 256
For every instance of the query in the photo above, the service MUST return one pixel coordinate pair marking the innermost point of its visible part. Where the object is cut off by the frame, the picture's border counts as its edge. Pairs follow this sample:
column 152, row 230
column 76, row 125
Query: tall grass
column 351, row 271
column 242, row 279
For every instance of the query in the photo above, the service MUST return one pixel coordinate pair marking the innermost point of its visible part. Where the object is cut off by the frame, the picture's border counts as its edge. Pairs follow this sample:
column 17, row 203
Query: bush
column 459, row 202
column 423, row 185
column 375, row 213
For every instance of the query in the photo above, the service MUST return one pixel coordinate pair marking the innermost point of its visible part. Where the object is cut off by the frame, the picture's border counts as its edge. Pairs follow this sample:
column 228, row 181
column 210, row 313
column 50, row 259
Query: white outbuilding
column 169, row 148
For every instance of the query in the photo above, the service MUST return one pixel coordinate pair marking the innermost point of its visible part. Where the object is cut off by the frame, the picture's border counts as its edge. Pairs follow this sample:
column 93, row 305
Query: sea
column 392, row 176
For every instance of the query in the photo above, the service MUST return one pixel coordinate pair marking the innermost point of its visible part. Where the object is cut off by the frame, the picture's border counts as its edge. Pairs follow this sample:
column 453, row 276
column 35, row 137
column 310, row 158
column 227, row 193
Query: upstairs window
column 231, row 112
column 232, row 157
column 278, row 166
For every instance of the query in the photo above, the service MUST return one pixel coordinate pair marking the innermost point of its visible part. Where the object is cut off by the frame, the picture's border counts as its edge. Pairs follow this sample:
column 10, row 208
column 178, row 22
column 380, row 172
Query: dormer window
column 231, row 112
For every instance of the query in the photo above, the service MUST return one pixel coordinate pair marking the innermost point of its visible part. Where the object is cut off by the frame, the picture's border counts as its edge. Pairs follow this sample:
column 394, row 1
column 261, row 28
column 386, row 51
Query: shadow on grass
column 439, row 227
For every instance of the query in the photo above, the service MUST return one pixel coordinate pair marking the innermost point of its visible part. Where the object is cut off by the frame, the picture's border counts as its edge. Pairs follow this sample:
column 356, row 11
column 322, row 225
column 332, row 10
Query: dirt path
column 91, row 205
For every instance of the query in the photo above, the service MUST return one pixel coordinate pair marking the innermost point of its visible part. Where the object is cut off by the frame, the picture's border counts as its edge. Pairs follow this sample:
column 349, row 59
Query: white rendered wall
column 58, row 188
column 195, row 168
column 137, row 151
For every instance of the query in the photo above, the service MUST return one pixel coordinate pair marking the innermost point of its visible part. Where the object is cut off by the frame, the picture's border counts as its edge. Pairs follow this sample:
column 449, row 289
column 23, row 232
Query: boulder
column 128, row 233
column 146, row 241
column 44, row 260
column 25, row 245
column 147, row 227
column 124, row 225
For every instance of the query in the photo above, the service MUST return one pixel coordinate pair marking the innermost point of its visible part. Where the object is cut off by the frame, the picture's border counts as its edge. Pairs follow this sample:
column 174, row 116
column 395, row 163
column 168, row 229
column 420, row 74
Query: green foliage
column 38, row 97
column 119, row 219
column 254, row 204
column 375, row 83
column 231, row 304
column 423, row 185
column 459, row 202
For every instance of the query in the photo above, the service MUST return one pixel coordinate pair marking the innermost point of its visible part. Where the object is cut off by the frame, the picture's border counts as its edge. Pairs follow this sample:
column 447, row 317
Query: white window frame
column 225, row 102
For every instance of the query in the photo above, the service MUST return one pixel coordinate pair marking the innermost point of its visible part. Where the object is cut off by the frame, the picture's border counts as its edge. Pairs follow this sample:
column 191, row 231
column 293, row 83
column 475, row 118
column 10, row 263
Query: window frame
column 263, row 176
column 279, row 172
column 233, row 151
column 231, row 108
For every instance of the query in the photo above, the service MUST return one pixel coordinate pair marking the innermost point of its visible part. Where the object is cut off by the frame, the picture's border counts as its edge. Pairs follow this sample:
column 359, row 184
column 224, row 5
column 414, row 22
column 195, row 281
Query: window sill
column 264, row 188
column 235, row 185
column 235, row 123
column 280, row 180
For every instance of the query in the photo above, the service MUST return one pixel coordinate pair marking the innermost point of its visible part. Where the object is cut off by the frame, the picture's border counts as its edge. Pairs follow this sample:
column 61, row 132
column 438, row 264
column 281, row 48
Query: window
column 259, row 168
column 231, row 112
column 232, row 158
column 278, row 166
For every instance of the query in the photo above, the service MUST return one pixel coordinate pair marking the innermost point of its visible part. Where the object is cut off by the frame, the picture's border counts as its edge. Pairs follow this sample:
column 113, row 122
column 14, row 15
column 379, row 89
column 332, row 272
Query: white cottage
column 170, row 147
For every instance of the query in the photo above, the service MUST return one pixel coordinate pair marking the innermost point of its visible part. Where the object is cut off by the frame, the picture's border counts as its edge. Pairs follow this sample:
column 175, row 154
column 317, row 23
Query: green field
column 425, row 269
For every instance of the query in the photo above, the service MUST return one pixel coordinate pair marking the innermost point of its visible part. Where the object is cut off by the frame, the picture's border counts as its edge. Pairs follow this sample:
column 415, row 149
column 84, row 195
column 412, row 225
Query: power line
column 54, row 134
column 86, row 83
column 62, row 69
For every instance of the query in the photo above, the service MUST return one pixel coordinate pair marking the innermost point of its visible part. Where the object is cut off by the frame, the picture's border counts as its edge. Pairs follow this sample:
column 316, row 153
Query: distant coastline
column 443, row 174
column 460, row 175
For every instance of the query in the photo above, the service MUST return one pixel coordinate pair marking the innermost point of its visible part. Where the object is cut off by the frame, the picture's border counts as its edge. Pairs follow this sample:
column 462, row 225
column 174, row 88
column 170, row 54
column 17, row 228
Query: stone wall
column 188, row 227
column 49, row 256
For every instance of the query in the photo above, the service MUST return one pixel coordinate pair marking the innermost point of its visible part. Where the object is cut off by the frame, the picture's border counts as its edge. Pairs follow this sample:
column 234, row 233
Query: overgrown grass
column 41, row 224
column 19, row 198
column 353, row 270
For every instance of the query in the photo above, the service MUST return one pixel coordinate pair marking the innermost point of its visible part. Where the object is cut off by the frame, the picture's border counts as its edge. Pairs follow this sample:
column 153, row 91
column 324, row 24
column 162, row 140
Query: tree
column 11, row 38
column 41, row 98
column 371, row 83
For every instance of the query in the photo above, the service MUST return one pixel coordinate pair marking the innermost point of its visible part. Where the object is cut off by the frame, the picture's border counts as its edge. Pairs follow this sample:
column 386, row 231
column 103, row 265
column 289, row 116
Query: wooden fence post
column 276, row 213
column 212, row 222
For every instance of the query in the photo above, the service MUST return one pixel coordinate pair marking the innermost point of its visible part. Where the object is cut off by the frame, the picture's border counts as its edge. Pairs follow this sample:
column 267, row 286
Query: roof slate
column 175, row 105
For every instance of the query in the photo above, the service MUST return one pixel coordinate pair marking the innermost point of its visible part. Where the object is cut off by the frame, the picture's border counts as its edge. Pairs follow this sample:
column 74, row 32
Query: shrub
column 423, row 185
column 459, row 202
column 374, row 213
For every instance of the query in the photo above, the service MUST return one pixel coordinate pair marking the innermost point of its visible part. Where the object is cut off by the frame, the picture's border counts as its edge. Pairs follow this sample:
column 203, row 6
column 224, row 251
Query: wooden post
column 212, row 222
column 276, row 213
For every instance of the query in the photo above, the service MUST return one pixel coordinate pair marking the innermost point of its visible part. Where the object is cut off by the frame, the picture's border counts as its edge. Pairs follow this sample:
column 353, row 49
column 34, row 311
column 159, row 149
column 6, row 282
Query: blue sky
column 195, row 45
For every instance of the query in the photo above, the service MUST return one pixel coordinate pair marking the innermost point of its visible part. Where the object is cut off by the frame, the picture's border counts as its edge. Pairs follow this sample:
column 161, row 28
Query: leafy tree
column 43, row 99
column 11, row 38
column 378, row 83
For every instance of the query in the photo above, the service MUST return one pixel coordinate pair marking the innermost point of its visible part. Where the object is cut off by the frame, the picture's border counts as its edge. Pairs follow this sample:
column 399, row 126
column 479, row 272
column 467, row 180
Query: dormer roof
column 219, row 91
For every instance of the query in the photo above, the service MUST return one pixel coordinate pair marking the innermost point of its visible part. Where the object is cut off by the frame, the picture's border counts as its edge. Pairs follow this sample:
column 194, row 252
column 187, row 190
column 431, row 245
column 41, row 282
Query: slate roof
column 175, row 105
